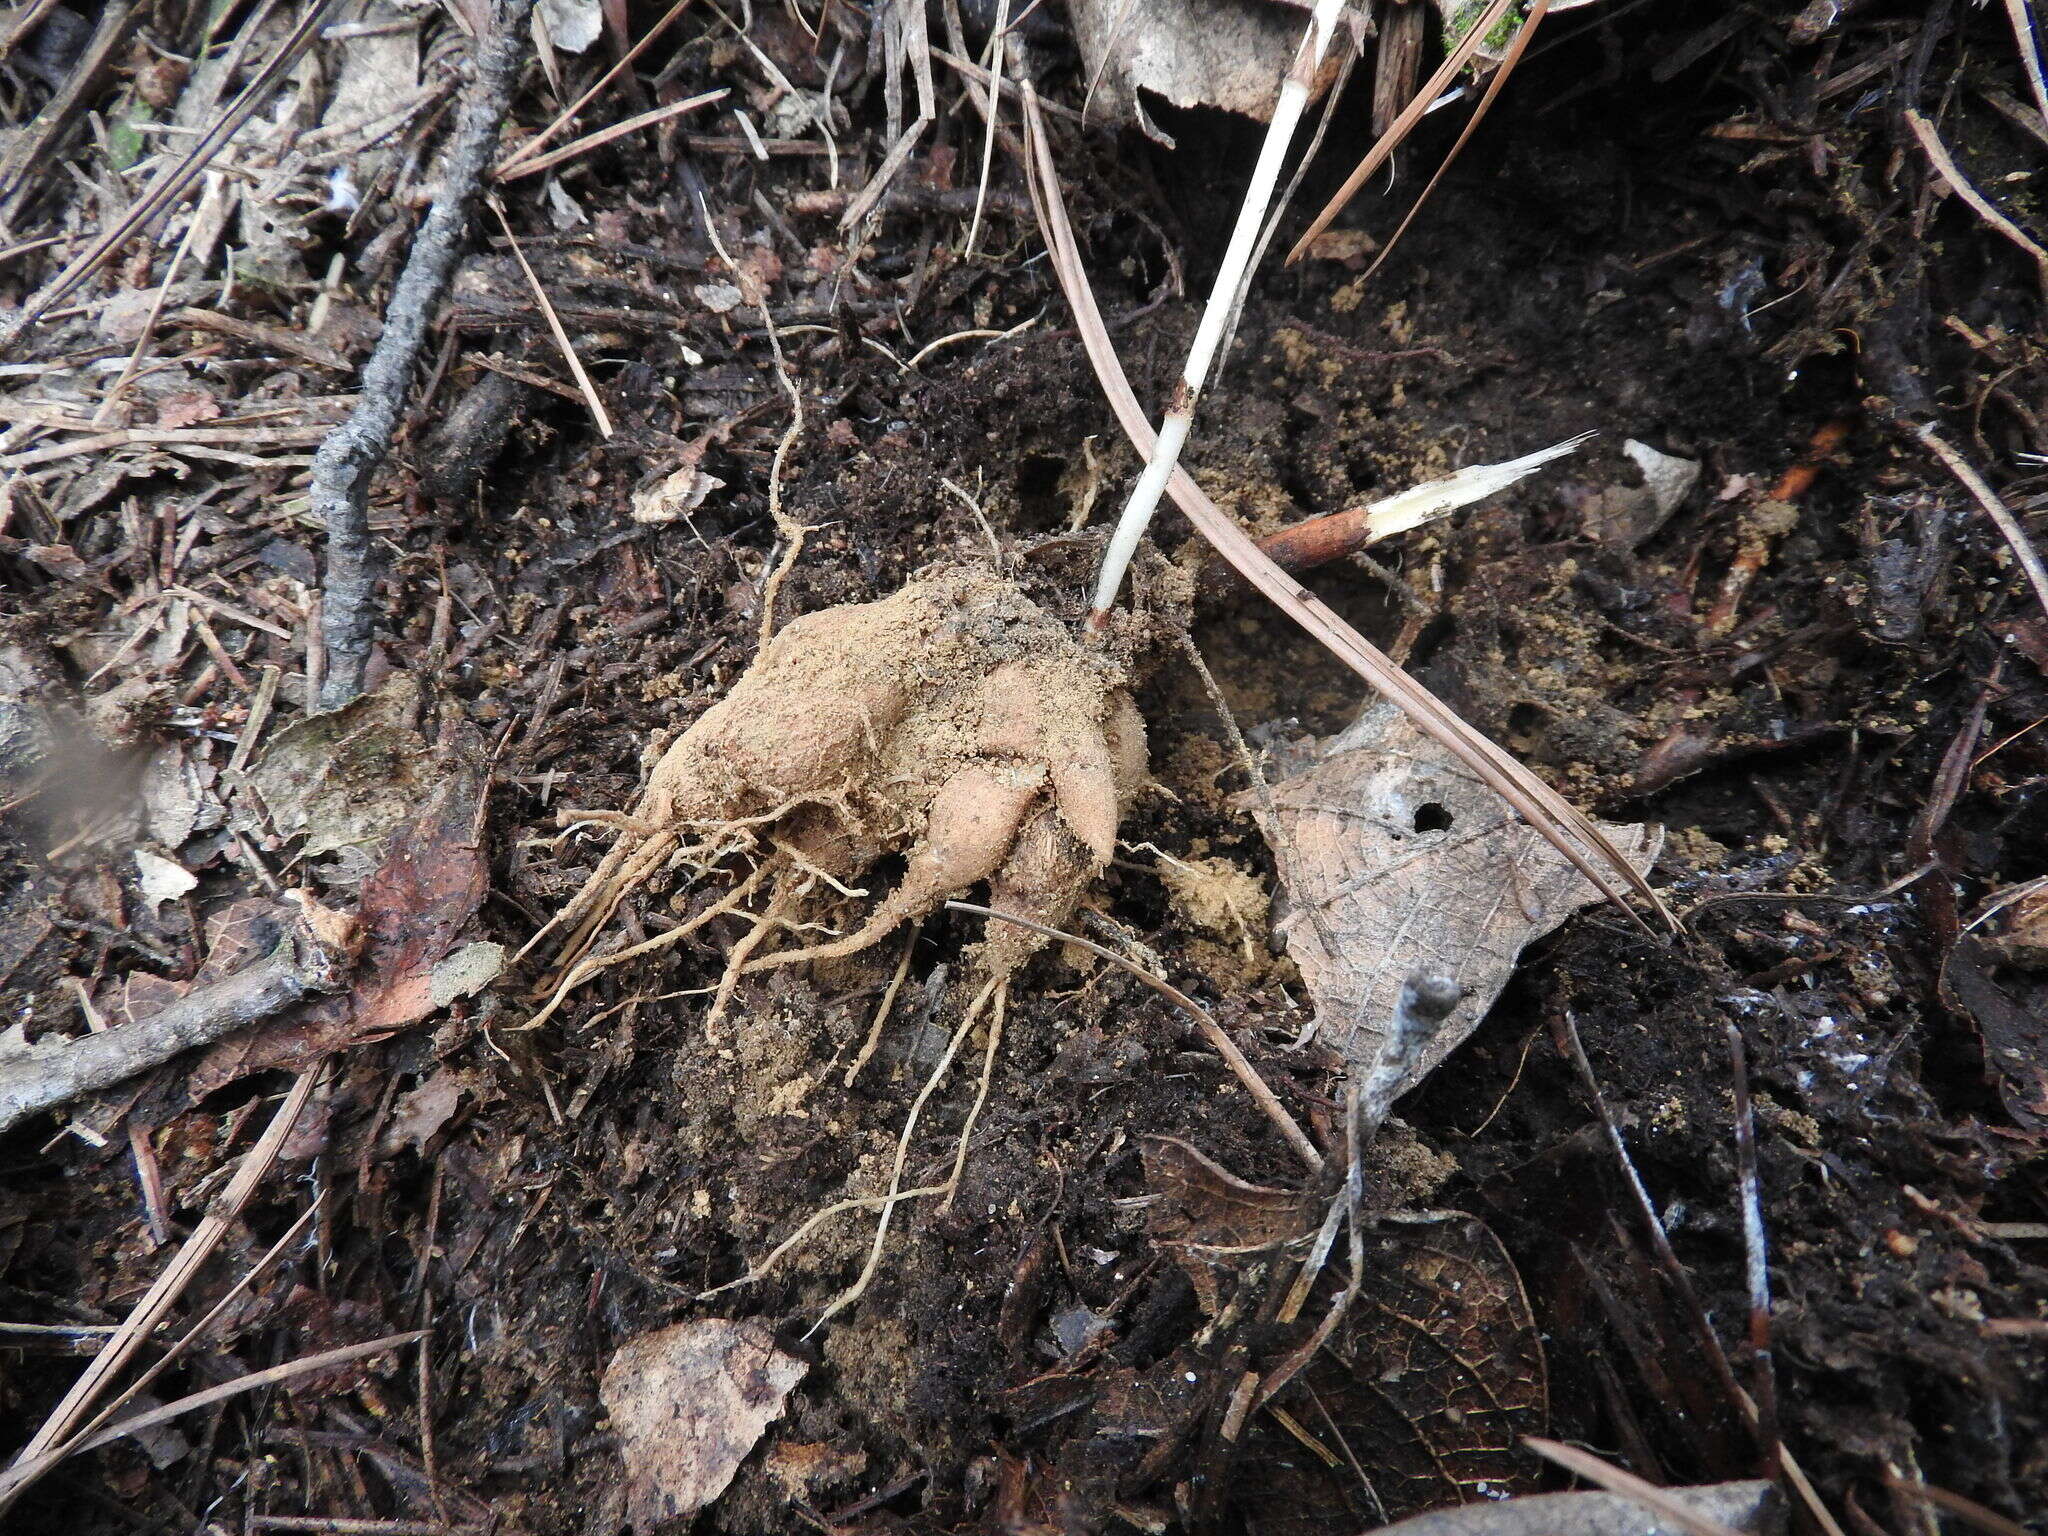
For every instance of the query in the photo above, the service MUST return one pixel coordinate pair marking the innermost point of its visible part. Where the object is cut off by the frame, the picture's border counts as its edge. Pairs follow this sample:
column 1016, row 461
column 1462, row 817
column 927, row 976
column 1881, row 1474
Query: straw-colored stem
column 1224, row 298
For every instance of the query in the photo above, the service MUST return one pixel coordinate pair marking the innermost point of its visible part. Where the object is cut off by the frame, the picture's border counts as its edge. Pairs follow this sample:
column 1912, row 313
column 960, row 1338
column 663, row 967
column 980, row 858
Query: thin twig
column 340, row 492
column 2015, row 535
column 1946, row 167
column 41, row 1076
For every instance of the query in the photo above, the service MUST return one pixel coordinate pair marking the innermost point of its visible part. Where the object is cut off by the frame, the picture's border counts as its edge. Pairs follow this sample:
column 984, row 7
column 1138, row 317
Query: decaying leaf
column 1192, row 53
column 1210, row 1219
column 347, row 778
column 421, row 1112
column 572, row 25
column 1626, row 515
column 414, row 907
column 1755, row 1508
column 1399, row 859
column 675, row 495
column 161, row 879
column 688, row 1403
column 1430, row 1381
column 2015, row 1038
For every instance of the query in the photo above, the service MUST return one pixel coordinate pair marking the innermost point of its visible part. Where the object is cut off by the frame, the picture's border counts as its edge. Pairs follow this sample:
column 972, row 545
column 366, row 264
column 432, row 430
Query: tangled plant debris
column 887, row 956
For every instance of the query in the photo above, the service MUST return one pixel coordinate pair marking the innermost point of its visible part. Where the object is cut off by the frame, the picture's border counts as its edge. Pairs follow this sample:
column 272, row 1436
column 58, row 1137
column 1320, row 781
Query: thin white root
column 988, row 1069
column 854, row 1292
column 584, row 969
column 874, row 1039
column 1224, row 300
column 736, row 962
column 816, row 1220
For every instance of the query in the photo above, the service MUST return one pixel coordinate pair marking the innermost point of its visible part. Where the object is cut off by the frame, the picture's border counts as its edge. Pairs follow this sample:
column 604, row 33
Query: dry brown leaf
column 415, row 905
column 1628, row 514
column 1401, row 859
column 1209, row 1218
column 689, row 1402
column 1431, row 1380
column 421, row 1112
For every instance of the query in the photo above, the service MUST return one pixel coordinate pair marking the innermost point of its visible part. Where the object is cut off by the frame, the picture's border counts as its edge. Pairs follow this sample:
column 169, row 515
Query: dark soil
column 1845, row 768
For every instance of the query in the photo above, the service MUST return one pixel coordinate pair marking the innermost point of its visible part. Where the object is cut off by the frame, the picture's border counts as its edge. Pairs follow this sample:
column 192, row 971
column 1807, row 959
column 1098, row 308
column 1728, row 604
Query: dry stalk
column 1224, row 298
column 1563, row 825
column 352, row 452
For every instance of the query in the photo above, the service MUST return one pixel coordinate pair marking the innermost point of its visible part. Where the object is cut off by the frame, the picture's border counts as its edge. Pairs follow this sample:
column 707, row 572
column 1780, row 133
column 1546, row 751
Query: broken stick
column 352, row 452
column 313, row 955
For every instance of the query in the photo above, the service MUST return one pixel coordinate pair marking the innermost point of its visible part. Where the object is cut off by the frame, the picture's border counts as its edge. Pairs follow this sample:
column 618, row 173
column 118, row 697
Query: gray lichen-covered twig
column 349, row 457
column 313, row 956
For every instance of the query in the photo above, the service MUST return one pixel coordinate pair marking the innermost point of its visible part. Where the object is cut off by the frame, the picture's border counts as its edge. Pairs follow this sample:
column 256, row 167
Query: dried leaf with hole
column 1753, row 1508
column 1398, row 858
column 688, row 1403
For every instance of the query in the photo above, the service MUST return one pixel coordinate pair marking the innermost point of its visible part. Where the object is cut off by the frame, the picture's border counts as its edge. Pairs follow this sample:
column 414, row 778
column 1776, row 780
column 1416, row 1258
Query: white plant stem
column 1224, row 298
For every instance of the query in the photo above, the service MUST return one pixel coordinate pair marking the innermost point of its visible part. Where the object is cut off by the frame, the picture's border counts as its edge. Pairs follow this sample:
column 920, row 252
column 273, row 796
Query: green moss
column 1466, row 16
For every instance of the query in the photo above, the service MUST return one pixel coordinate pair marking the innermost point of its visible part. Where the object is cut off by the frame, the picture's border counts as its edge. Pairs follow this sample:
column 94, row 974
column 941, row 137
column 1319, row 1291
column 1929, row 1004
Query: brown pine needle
column 22, row 1473
column 597, row 410
column 1657, row 1500
column 1562, row 824
column 53, row 1441
column 2030, row 52
column 2014, row 532
column 169, row 186
column 1493, row 88
column 1401, row 127
column 503, row 171
column 569, row 151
